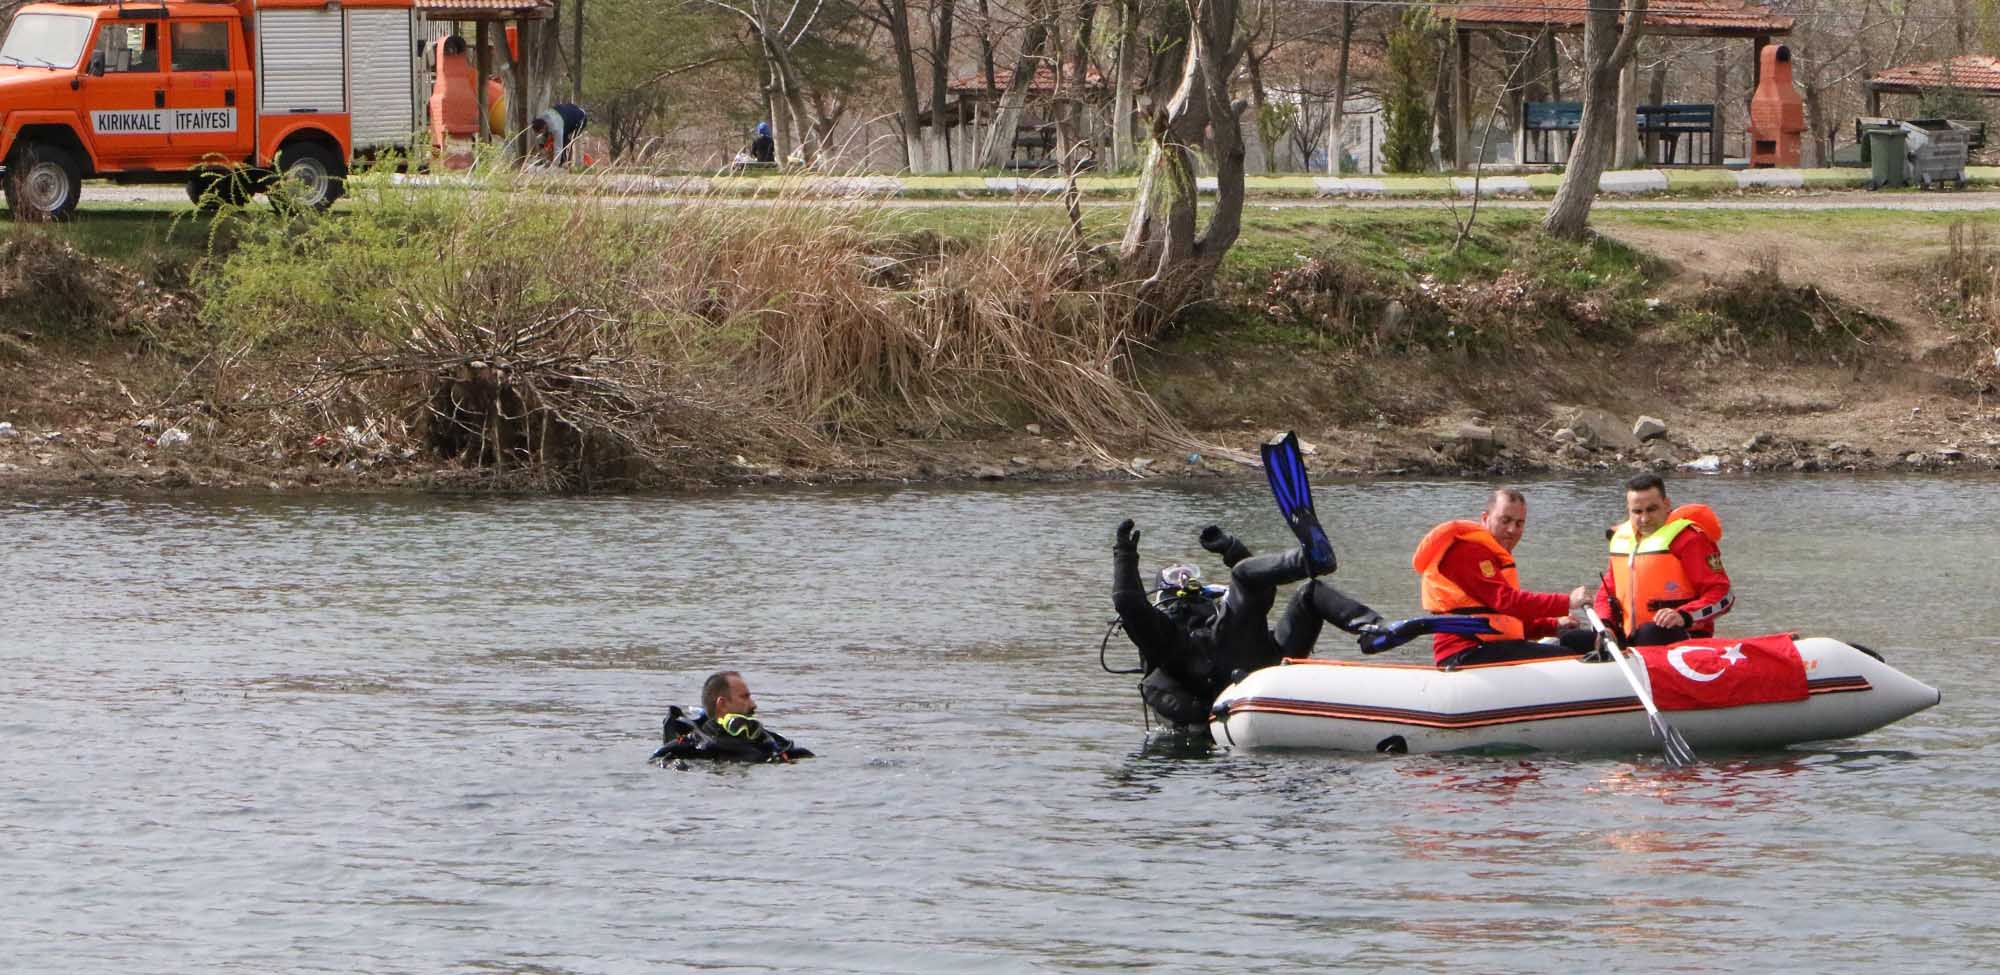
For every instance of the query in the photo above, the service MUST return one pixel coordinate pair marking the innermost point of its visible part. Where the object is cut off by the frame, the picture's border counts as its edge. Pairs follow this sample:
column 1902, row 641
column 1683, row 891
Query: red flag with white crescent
column 1718, row 673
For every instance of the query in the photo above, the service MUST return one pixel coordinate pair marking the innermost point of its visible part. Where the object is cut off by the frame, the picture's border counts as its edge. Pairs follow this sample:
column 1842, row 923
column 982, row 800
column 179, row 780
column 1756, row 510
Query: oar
column 1677, row 749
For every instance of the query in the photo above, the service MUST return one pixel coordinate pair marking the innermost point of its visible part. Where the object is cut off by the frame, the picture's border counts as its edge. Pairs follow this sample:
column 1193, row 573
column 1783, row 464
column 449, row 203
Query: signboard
column 163, row 121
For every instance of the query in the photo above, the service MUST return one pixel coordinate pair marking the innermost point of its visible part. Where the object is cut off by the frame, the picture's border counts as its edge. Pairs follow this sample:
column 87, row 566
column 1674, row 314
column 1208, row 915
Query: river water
column 275, row 735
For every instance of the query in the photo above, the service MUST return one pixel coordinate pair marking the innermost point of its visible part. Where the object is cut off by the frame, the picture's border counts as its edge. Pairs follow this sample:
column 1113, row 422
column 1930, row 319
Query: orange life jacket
column 1441, row 595
column 1651, row 579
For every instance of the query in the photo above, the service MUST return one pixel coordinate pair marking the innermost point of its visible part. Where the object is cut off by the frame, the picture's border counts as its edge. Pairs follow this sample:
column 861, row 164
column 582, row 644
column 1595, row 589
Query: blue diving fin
column 1285, row 467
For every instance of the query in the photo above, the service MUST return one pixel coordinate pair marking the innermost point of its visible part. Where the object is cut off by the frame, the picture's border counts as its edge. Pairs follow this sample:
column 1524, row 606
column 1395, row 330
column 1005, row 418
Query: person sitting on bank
column 1467, row 567
column 556, row 131
column 762, row 148
column 1665, row 583
column 1196, row 638
column 724, row 727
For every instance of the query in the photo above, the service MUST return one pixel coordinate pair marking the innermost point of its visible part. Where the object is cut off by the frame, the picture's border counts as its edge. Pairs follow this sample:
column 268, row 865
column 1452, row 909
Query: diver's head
column 1182, row 596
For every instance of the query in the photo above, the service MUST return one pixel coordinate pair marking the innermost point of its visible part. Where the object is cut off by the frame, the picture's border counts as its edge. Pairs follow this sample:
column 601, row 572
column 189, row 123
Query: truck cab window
column 201, row 46
column 128, row 48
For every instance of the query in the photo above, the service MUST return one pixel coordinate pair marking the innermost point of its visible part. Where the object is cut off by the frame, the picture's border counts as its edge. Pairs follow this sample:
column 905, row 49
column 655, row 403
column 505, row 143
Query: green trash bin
column 1887, row 149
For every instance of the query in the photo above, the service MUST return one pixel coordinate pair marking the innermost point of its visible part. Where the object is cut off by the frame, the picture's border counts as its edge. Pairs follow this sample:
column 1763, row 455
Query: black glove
column 1214, row 539
column 1128, row 538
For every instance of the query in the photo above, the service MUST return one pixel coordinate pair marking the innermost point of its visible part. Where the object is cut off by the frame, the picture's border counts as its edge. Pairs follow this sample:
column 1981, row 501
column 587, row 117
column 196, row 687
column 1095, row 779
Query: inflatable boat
column 1721, row 694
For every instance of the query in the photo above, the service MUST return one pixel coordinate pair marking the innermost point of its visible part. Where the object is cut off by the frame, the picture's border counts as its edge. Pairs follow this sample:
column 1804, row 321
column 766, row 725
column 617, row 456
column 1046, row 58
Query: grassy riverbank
column 479, row 340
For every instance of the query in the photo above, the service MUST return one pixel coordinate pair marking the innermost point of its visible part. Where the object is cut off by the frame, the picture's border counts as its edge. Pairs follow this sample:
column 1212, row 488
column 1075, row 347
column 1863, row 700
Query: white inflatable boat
column 1566, row 705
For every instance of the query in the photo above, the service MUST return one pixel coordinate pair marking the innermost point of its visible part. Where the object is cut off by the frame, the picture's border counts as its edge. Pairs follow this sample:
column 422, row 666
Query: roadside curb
column 1629, row 182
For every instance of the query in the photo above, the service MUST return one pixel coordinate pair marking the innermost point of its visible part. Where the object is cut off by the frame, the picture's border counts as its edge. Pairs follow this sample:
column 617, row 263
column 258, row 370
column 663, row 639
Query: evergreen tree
column 1413, row 67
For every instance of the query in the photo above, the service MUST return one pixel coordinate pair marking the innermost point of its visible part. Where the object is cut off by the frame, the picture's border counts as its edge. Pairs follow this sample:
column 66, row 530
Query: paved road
column 97, row 196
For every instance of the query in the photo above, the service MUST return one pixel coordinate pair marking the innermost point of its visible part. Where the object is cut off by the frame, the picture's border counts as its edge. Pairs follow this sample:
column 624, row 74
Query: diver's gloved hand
column 1128, row 538
column 1214, row 539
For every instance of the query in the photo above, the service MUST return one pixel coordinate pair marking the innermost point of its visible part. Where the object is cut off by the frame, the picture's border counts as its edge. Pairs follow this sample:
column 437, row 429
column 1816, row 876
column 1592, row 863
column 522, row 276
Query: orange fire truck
column 197, row 92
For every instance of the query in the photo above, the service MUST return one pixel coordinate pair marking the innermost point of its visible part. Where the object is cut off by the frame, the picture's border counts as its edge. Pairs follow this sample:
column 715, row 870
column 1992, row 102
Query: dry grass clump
column 1759, row 309
column 48, row 286
column 582, row 341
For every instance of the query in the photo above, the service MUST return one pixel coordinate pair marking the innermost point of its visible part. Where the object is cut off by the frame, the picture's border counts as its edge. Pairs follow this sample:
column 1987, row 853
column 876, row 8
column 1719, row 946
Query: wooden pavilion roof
column 1978, row 74
column 1679, row 18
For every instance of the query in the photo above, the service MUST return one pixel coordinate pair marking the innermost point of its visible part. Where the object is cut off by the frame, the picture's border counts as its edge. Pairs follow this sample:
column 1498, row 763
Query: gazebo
column 1738, row 19
column 1977, row 75
column 975, row 104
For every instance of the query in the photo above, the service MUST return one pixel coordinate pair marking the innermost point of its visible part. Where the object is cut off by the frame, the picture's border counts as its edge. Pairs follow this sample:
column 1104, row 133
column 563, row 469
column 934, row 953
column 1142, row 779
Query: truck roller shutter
column 300, row 62
column 381, row 77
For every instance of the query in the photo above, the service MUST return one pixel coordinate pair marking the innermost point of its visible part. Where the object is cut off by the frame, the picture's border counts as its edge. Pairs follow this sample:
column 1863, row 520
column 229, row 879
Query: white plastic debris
column 1705, row 464
column 7, row 431
column 173, row 437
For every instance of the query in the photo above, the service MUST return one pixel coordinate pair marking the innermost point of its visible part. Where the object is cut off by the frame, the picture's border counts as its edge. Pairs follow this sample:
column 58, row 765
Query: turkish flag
column 1718, row 673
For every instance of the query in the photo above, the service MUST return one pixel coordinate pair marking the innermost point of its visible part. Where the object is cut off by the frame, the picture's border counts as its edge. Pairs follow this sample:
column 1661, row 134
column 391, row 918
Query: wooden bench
column 1542, row 123
column 1664, row 125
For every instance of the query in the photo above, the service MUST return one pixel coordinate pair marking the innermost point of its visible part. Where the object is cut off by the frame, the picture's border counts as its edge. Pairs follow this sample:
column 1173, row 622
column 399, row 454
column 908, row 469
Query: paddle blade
column 1679, row 753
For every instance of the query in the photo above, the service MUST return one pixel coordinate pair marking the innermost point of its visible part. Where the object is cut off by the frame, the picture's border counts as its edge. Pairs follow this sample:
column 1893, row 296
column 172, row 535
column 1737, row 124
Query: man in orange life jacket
column 1666, row 572
column 1467, row 567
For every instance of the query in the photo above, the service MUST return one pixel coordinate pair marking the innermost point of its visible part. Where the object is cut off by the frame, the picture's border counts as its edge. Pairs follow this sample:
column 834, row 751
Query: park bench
column 1659, row 125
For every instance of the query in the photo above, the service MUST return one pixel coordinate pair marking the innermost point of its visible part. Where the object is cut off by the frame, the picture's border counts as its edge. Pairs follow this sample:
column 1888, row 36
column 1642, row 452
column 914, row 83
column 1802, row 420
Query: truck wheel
column 43, row 183
column 212, row 189
column 316, row 176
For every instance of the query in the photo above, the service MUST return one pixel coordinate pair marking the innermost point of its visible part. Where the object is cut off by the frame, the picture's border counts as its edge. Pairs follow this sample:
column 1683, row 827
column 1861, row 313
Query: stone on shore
column 1647, row 427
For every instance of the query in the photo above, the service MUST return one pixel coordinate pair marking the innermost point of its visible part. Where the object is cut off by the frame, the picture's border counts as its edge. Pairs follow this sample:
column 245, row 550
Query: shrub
column 575, row 339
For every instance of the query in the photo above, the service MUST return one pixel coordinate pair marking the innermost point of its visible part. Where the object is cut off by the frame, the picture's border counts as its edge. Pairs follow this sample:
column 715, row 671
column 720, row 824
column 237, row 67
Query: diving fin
column 1285, row 468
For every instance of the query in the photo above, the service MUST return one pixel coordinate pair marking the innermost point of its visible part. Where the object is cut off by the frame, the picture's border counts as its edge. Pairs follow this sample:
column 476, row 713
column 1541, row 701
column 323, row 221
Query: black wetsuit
column 1193, row 645
column 742, row 740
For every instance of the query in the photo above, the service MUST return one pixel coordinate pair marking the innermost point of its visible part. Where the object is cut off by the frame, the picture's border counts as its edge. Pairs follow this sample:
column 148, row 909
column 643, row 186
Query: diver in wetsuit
column 1195, row 639
column 724, row 728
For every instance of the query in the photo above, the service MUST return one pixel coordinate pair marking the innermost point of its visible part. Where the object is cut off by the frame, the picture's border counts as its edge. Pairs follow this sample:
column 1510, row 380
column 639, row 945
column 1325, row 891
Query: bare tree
column 942, row 14
column 1610, row 35
column 1007, row 118
column 1160, row 239
column 788, row 103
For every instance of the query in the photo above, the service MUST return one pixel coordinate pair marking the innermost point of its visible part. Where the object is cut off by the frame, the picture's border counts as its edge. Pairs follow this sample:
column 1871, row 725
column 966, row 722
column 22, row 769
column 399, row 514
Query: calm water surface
column 269, row 735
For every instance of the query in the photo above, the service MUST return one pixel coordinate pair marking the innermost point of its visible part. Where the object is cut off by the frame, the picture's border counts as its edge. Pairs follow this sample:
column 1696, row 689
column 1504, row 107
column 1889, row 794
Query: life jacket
column 1661, row 583
column 731, row 738
column 1441, row 595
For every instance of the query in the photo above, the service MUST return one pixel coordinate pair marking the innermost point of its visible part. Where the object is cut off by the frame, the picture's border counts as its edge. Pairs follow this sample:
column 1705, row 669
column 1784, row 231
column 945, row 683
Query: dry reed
column 668, row 329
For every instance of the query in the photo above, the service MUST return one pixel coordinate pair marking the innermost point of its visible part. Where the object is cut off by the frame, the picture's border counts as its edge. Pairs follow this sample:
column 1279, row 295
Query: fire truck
column 228, row 97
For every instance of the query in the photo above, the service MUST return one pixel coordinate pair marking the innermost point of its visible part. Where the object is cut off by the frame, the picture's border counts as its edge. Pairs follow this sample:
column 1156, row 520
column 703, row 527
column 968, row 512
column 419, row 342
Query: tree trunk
column 1656, row 94
column 909, row 114
column 1256, row 156
column 1121, row 82
column 1336, row 132
column 1007, row 119
column 1626, row 148
column 1721, row 105
column 1444, row 134
column 1076, row 116
column 576, row 57
column 941, row 27
column 986, row 50
column 1160, row 239
column 1606, row 51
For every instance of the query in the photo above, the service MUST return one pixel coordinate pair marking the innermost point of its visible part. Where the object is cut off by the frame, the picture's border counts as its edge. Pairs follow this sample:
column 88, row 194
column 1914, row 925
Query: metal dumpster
column 1938, row 151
